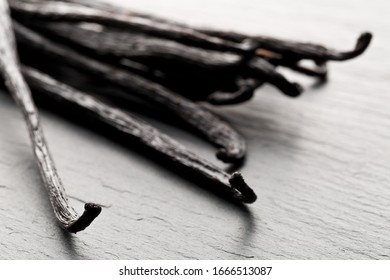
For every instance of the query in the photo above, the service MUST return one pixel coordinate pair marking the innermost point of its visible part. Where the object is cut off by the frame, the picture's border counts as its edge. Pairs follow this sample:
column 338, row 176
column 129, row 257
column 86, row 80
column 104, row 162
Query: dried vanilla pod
column 10, row 70
column 288, row 53
column 139, row 131
column 231, row 143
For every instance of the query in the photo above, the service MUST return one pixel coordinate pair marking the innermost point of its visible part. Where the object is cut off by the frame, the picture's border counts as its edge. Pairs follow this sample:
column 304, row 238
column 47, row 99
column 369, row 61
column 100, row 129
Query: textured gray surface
column 318, row 163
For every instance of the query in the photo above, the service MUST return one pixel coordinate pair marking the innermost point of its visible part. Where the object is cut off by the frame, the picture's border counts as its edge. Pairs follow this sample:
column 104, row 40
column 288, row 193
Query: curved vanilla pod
column 141, row 132
column 264, row 69
column 298, row 50
column 246, row 90
column 10, row 70
column 232, row 144
column 291, row 51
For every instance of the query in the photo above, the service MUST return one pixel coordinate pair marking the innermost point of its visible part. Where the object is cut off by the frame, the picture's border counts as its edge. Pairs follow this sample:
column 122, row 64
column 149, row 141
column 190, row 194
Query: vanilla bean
column 290, row 49
column 193, row 72
column 298, row 50
column 141, row 132
column 216, row 88
column 71, row 12
column 139, row 46
column 10, row 70
column 232, row 145
column 246, row 90
column 167, row 55
column 320, row 71
column 79, row 13
column 262, row 68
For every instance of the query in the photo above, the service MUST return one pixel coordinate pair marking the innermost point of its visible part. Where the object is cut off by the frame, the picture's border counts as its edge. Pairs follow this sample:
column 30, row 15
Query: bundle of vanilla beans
column 165, row 66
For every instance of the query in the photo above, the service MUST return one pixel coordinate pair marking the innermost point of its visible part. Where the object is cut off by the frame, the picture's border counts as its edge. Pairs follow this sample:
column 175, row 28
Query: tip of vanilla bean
column 362, row 44
column 230, row 156
column 247, row 194
column 296, row 90
column 91, row 211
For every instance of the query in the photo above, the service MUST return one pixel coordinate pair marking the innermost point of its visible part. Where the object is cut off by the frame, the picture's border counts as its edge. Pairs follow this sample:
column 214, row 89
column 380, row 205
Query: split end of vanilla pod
column 91, row 211
column 246, row 194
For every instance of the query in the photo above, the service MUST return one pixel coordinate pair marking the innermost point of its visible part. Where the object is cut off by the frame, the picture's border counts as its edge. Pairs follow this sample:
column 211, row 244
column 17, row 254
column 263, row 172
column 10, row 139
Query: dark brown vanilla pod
column 297, row 50
column 113, row 8
column 287, row 53
column 231, row 143
column 192, row 72
column 141, row 132
column 264, row 69
column 168, row 56
column 138, row 46
column 291, row 49
column 71, row 12
column 10, row 70
column 246, row 90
